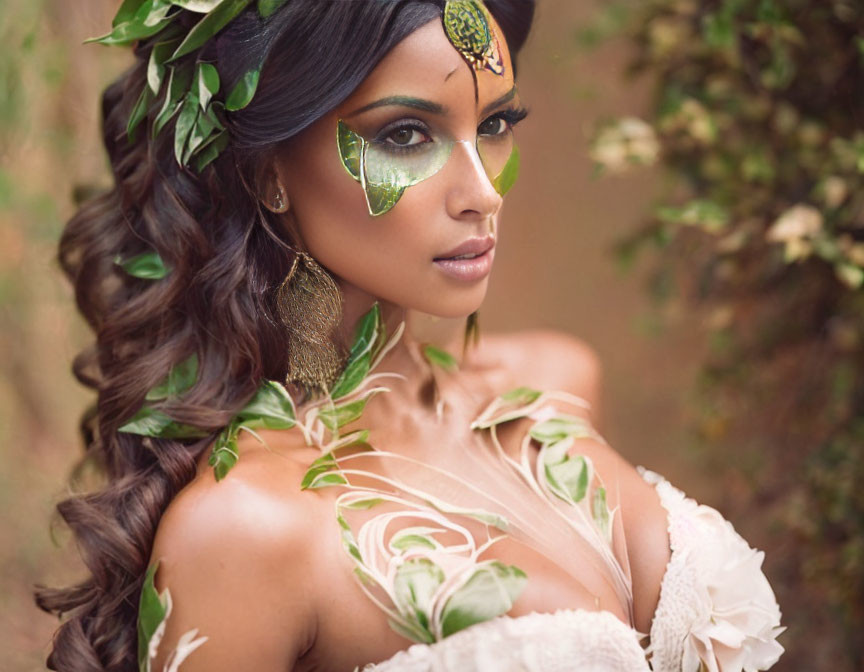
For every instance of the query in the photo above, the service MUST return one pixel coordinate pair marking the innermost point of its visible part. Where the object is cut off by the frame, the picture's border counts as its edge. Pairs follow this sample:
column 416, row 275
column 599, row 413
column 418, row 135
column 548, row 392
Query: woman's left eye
column 493, row 126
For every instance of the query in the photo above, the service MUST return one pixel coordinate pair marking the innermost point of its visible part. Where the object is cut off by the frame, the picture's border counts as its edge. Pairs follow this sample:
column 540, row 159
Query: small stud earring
column 280, row 201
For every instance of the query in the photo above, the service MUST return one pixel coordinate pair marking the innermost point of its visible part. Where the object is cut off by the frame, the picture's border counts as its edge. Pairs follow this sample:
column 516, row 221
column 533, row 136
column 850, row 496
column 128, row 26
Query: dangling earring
column 310, row 305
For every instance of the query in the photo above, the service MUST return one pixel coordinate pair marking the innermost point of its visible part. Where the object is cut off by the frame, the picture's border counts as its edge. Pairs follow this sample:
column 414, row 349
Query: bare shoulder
column 236, row 555
column 550, row 360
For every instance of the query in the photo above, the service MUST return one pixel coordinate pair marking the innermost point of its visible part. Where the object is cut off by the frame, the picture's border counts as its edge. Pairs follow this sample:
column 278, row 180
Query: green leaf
column 412, row 537
column 147, row 266
column 127, row 11
column 225, row 451
column 210, row 150
column 489, row 593
column 414, row 587
column 149, row 421
column 148, row 19
column 270, row 408
column 569, row 478
column 199, row 6
column 440, row 357
column 152, row 611
column 350, row 149
column 212, row 23
column 267, row 8
column 179, row 79
column 203, row 129
column 139, row 112
column 180, row 378
column 208, row 84
column 185, row 123
column 521, row 396
column 560, row 428
column 600, row 511
column 324, row 464
column 363, row 504
column 243, row 92
column 156, row 66
column 382, row 197
column 339, row 416
column 509, row 174
column 366, row 336
column 326, row 480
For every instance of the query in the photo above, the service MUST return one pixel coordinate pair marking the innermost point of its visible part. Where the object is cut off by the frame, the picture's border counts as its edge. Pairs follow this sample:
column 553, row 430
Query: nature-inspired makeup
column 385, row 169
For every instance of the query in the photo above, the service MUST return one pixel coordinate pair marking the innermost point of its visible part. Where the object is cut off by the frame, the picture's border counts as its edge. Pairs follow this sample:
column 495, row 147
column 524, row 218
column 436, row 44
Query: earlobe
column 277, row 202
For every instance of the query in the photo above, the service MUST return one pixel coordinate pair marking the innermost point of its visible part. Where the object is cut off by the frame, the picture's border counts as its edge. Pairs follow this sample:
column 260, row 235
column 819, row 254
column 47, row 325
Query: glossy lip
column 478, row 246
column 469, row 270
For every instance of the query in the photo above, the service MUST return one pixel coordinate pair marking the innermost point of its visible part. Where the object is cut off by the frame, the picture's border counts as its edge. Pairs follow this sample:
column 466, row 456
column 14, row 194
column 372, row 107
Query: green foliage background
column 758, row 124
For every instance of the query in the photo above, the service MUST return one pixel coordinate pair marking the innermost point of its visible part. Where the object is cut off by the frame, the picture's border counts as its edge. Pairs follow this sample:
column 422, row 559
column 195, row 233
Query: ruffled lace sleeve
column 716, row 607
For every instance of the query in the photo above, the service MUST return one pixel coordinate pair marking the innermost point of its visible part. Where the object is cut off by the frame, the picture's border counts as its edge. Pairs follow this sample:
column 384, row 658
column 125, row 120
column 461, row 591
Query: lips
column 470, row 249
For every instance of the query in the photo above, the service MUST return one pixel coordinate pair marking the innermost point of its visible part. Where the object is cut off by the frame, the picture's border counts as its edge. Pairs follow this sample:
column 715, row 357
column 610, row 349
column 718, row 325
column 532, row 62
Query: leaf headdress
column 188, row 86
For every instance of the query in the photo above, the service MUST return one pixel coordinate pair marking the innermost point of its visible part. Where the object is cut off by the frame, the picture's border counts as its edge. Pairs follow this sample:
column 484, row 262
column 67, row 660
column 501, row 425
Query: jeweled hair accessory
column 469, row 30
column 190, row 87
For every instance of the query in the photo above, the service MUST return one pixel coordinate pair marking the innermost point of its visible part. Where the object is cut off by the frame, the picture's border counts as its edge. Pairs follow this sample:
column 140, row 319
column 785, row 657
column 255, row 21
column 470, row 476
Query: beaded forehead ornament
column 191, row 90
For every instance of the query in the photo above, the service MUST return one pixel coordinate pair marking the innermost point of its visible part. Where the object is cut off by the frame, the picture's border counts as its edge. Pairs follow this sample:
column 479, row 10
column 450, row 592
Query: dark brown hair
column 227, row 258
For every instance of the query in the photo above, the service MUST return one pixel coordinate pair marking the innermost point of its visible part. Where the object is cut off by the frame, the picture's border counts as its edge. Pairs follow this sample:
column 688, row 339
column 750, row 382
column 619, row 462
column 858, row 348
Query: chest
column 440, row 514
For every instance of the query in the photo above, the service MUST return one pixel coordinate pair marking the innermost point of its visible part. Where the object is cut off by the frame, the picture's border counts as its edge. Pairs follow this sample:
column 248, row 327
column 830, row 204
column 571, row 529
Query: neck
column 407, row 357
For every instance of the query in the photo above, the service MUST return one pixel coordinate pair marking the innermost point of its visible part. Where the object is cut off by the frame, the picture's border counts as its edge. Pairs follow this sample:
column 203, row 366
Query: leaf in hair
column 180, row 379
column 243, row 92
column 205, row 124
column 267, row 8
column 210, row 150
column 212, row 23
column 149, row 421
column 147, row 266
column 139, row 113
column 208, row 84
column 127, row 11
column 149, row 18
column 156, row 65
column 199, row 6
column 185, row 122
column 179, row 78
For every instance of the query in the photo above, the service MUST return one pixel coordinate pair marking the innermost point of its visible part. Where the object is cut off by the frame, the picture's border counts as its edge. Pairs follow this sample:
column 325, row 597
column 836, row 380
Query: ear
column 271, row 188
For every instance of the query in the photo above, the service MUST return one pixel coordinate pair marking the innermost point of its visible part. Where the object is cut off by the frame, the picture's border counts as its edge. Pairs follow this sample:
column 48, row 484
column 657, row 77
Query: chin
column 451, row 303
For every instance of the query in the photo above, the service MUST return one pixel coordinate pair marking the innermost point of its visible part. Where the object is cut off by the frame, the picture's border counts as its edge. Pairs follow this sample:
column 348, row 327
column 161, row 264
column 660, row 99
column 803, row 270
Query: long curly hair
column 227, row 257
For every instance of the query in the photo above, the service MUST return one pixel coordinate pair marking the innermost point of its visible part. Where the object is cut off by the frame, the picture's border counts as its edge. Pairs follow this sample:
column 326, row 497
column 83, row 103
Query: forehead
column 426, row 64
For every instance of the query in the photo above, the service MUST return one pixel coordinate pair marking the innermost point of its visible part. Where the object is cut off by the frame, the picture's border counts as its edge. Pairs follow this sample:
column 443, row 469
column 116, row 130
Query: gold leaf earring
column 310, row 306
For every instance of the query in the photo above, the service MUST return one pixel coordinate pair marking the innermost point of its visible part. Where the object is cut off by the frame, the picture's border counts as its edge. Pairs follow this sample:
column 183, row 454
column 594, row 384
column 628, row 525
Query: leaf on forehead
column 268, row 7
column 507, row 178
column 243, row 92
column 211, row 24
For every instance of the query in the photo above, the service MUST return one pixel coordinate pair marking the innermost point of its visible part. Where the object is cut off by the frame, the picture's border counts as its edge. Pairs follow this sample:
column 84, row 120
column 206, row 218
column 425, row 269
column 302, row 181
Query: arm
column 236, row 561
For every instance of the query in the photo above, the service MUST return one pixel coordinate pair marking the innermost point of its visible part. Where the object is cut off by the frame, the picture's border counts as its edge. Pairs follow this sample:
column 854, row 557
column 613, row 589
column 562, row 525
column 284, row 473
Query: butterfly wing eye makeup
column 405, row 153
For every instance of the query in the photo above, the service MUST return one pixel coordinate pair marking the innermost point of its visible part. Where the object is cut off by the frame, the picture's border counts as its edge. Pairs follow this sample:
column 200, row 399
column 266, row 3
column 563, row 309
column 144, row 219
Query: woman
column 316, row 201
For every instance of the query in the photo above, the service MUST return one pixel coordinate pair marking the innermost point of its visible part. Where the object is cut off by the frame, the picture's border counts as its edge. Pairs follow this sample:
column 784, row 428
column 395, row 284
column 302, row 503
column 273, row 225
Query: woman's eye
column 493, row 126
column 406, row 137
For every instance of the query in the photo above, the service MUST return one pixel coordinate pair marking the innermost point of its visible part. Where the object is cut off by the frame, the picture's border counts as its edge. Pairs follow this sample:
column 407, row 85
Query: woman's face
column 404, row 256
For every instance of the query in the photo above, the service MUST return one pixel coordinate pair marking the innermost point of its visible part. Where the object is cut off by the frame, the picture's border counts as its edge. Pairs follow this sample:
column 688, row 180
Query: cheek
column 386, row 256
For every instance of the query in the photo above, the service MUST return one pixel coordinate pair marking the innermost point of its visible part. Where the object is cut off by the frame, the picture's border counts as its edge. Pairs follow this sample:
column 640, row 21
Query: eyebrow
column 426, row 105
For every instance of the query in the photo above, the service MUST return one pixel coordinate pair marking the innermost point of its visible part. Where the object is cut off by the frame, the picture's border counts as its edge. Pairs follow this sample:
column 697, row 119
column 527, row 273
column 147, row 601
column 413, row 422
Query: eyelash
column 512, row 116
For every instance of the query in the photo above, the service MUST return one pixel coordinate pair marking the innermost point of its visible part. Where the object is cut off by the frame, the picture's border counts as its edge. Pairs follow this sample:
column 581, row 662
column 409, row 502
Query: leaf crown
column 189, row 88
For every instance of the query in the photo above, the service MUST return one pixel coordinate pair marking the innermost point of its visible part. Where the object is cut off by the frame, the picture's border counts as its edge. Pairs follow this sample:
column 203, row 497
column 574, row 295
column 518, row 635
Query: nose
column 471, row 195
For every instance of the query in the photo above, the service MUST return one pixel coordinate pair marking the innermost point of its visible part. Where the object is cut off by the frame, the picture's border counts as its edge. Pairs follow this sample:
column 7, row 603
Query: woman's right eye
column 406, row 136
